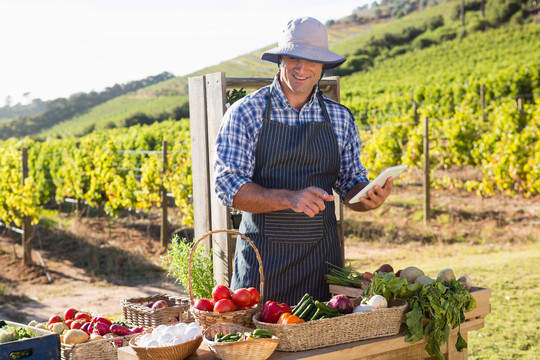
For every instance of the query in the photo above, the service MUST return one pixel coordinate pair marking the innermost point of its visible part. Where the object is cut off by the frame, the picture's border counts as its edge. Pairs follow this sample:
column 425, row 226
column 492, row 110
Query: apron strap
column 323, row 107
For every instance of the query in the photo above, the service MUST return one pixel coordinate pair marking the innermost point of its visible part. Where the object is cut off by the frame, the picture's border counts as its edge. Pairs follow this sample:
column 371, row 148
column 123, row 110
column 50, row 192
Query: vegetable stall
column 380, row 314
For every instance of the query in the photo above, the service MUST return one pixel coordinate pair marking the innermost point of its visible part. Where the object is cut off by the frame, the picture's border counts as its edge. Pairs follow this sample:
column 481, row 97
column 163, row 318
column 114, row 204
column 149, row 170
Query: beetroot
column 342, row 303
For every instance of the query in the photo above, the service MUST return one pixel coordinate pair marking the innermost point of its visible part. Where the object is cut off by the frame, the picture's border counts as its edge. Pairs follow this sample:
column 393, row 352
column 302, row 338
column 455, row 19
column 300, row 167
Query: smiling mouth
column 300, row 77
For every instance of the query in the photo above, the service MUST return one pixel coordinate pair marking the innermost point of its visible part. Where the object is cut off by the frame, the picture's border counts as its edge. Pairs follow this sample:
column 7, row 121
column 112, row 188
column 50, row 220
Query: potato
column 410, row 274
column 75, row 336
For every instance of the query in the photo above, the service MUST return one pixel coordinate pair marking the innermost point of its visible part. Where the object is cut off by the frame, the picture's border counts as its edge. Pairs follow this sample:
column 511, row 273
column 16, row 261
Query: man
column 279, row 153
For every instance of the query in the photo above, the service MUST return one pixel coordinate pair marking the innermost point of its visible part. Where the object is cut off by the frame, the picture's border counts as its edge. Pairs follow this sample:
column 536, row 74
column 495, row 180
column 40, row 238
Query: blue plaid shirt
column 236, row 143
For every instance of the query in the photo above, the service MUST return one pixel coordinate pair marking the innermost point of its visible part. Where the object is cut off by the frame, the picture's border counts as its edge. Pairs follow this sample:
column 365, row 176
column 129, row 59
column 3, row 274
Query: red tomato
column 83, row 316
column 221, row 292
column 255, row 296
column 241, row 298
column 76, row 324
column 224, row 305
column 54, row 319
column 204, row 305
column 69, row 314
column 68, row 323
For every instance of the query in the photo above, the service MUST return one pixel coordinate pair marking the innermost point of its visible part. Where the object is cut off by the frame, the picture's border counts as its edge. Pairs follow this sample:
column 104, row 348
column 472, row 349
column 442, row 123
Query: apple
column 70, row 313
column 241, row 298
column 204, row 305
column 160, row 304
column 220, row 292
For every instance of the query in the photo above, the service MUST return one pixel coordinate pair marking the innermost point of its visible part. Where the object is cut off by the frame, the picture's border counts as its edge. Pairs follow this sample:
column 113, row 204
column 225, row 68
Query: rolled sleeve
column 352, row 171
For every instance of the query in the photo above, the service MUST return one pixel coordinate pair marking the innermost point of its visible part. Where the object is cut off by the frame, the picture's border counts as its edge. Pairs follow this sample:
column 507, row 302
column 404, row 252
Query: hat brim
column 328, row 58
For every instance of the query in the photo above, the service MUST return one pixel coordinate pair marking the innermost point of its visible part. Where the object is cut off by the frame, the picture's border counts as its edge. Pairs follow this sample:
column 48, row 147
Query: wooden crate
column 44, row 346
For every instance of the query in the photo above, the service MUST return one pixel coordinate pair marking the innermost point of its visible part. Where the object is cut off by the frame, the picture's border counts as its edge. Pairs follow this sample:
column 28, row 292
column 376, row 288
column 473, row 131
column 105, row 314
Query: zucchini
column 262, row 333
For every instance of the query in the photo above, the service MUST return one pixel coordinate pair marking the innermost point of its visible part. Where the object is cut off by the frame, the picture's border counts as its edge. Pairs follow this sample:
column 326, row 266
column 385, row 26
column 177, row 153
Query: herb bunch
column 176, row 262
column 390, row 286
column 442, row 304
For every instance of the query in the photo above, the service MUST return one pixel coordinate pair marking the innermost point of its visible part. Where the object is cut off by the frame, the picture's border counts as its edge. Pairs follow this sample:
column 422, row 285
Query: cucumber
column 325, row 308
column 299, row 309
column 262, row 333
column 310, row 310
column 318, row 314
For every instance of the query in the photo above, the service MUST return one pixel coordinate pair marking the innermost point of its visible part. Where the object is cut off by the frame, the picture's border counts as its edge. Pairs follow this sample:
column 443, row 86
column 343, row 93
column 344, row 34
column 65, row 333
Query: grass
column 479, row 239
column 512, row 329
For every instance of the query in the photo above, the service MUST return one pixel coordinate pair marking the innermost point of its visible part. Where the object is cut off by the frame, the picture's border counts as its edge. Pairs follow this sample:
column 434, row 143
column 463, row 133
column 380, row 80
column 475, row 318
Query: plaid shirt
column 236, row 143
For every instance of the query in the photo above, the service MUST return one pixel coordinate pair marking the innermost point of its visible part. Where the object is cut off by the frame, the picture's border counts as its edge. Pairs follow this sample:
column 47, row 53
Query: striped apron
column 294, row 247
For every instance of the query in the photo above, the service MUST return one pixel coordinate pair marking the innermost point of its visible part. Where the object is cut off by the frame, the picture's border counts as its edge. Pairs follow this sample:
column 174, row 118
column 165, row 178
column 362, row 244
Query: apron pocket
column 291, row 227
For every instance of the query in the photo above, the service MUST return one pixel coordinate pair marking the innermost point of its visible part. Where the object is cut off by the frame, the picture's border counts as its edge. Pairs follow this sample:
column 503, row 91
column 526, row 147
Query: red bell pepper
column 272, row 310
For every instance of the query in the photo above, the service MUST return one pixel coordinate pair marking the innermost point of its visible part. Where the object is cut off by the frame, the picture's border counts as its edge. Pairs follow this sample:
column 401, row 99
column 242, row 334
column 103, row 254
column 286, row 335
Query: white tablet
column 379, row 180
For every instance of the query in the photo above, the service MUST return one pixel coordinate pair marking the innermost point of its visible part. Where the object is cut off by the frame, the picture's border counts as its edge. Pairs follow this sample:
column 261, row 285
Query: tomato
column 221, row 292
column 68, row 323
column 241, row 298
column 224, row 305
column 69, row 314
column 204, row 305
column 54, row 319
column 83, row 316
column 76, row 324
column 255, row 296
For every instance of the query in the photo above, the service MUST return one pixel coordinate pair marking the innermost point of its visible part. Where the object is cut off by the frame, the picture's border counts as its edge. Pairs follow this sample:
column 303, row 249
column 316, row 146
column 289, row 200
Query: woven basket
column 105, row 349
column 241, row 317
column 255, row 349
column 137, row 314
column 173, row 352
column 339, row 330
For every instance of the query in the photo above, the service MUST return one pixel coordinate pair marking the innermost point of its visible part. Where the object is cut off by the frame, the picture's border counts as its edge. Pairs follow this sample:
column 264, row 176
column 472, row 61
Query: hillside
column 367, row 37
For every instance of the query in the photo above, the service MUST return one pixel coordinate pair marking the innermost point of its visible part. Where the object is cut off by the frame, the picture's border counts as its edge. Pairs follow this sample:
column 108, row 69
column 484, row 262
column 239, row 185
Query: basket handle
column 232, row 232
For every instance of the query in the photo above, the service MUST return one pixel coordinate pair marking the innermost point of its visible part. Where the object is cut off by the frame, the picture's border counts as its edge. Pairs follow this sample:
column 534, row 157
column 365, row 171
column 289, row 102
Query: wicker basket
column 173, row 352
column 241, row 317
column 338, row 330
column 105, row 349
column 137, row 314
column 255, row 349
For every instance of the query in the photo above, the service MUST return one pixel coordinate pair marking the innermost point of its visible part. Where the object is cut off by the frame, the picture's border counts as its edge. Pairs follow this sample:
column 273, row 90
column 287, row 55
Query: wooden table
column 386, row 348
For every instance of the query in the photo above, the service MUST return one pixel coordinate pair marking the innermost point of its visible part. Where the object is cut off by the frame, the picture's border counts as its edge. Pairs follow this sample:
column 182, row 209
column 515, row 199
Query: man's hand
column 257, row 199
column 376, row 196
column 310, row 200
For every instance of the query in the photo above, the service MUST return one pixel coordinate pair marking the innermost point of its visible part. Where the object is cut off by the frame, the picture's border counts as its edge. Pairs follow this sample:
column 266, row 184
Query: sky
column 55, row 48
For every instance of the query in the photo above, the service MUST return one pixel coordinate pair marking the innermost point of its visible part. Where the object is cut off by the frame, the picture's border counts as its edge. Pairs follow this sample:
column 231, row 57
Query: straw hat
column 305, row 38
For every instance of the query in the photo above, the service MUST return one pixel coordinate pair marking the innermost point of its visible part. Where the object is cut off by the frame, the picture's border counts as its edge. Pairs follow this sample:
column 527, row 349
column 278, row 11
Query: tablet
column 379, row 180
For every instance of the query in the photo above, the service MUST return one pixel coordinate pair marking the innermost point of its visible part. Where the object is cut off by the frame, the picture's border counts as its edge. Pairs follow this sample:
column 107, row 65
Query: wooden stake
column 27, row 221
column 164, row 216
column 426, row 173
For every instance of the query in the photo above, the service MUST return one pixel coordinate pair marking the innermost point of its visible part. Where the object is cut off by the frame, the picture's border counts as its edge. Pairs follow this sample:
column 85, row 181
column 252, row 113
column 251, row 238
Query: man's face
column 297, row 78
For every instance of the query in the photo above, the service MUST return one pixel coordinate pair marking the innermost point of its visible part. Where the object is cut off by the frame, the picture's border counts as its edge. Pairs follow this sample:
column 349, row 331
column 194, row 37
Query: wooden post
column 200, row 158
column 521, row 105
column 216, row 90
column 482, row 8
column 483, row 101
column 164, row 200
column 462, row 12
column 426, row 172
column 415, row 109
column 26, row 223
